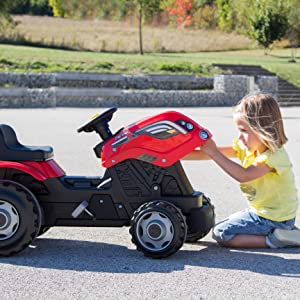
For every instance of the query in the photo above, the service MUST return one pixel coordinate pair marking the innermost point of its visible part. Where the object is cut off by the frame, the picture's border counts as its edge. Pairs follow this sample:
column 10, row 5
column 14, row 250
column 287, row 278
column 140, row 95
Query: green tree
column 140, row 6
column 57, row 8
column 144, row 9
column 39, row 7
column 4, row 4
column 293, row 15
column 227, row 13
column 267, row 24
column 239, row 14
column 19, row 6
column 6, row 21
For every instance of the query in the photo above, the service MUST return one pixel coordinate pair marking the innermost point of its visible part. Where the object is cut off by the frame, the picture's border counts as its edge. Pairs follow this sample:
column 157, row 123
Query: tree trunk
column 141, row 28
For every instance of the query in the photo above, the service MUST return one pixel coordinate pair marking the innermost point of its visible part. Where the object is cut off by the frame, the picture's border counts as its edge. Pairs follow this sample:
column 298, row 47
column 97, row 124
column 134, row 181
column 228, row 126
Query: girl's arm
column 232, row 168
column 198, row 154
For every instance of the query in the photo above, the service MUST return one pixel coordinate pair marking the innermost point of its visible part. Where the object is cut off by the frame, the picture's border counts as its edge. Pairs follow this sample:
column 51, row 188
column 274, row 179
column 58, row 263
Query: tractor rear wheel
column 20, row 217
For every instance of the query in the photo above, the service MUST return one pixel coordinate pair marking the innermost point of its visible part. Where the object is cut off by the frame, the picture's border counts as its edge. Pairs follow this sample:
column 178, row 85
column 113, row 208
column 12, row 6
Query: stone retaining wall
column 104, row 90
column 92, row 80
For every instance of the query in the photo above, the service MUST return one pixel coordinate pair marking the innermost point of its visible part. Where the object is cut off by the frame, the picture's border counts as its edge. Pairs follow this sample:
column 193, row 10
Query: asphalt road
column 102, row 263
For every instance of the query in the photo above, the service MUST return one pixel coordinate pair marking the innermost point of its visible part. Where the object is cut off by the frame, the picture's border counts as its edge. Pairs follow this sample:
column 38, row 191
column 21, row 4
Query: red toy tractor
column 144, row 186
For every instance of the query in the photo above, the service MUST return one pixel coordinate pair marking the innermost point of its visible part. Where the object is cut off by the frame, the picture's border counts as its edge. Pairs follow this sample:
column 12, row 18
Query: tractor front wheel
column 158, row 229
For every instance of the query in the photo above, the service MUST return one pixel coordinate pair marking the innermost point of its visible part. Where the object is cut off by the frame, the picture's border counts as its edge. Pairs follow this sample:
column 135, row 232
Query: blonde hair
column 262, row 114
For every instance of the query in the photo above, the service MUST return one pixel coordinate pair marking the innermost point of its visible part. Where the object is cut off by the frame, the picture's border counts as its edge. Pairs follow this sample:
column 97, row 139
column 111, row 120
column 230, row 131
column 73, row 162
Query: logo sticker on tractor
column 203, row 134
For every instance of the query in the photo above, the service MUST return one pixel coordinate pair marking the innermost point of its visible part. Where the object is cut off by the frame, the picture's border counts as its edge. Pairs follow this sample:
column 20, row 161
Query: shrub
column 206, row 17
column 268, row 27
column 103, row 65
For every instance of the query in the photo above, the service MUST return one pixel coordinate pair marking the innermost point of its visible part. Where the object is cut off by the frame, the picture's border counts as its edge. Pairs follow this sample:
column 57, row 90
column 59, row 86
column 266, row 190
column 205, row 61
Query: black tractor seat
column 12, row 150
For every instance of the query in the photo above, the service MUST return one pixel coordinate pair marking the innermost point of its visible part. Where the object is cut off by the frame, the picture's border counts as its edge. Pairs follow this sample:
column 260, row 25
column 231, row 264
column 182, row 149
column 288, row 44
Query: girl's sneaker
column 288, row 237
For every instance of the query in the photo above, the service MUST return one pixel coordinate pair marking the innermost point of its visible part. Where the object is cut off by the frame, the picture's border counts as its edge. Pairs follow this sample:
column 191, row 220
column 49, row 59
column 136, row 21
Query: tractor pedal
column 80, row 208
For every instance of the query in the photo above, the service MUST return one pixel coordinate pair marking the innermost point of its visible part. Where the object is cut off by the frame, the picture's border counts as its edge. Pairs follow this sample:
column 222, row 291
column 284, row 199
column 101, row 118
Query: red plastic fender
column 161, row 140
column 40, row 170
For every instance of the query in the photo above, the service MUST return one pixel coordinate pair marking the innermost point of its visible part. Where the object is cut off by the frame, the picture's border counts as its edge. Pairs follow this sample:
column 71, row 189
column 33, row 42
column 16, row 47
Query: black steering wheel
column 99, row 124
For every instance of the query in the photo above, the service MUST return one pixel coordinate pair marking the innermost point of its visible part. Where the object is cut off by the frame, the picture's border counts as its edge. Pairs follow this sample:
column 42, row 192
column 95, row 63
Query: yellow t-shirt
column 274, row 195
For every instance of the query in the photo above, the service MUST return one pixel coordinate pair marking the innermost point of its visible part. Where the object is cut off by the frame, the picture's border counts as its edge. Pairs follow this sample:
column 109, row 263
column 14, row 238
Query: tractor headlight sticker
column 203, row 134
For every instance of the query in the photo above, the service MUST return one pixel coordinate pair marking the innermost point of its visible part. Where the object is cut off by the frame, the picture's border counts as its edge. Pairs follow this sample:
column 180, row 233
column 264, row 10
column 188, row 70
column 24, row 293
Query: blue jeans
column 247, row 222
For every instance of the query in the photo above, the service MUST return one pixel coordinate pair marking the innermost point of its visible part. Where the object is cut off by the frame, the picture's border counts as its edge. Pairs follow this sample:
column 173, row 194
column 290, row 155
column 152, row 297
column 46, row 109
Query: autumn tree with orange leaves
column 182, row 10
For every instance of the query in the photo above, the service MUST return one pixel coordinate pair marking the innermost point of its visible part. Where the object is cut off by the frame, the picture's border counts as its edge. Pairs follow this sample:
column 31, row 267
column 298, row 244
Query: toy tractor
column 144, row 186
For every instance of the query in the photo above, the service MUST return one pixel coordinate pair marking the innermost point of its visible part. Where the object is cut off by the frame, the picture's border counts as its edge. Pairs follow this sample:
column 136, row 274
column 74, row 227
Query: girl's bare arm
column 197, row 154
column 232, row 168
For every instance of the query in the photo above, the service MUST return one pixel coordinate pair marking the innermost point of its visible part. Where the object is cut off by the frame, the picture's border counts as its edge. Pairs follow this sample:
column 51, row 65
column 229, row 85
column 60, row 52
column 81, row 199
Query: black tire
column 158, row 229
column 20, row 217
column 193, row 237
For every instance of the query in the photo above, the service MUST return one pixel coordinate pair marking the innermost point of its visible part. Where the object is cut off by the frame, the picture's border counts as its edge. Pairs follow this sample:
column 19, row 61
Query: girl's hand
column 210, row 148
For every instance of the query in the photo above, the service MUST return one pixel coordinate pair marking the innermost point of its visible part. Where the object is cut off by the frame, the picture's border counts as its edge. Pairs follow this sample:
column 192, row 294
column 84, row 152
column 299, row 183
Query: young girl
column 265, row 177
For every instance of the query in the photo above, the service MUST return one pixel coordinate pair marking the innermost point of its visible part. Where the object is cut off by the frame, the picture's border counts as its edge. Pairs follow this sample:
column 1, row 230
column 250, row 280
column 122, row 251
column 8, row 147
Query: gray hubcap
column 155, row 231
column 9, row 220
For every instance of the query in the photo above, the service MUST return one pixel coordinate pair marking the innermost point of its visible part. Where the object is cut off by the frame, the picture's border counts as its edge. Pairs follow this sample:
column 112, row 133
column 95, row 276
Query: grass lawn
column 20, row 58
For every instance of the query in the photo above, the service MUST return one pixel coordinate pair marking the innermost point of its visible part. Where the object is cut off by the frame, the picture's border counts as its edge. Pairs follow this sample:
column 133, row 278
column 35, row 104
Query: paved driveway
column 102, row 263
